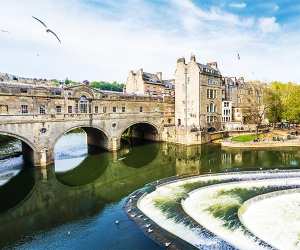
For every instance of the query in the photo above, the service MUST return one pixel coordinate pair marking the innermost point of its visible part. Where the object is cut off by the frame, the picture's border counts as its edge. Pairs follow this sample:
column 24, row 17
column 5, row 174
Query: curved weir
column 203, row 210
column 282, row 228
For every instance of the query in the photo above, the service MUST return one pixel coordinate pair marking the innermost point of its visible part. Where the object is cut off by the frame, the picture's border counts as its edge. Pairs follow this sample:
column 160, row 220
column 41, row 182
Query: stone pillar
column 114, row 144
column 43, row 157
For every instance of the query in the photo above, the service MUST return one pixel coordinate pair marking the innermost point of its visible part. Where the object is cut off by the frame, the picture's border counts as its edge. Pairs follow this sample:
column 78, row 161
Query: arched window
column 83, row 104
column 212, row 108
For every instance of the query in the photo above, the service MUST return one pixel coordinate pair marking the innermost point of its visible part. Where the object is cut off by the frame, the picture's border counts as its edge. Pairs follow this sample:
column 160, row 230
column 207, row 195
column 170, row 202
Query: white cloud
column 105, row 43
column 240, row 5
column 268, row 24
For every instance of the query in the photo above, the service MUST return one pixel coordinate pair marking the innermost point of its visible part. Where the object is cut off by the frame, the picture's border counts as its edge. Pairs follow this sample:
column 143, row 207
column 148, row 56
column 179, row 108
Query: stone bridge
column 39, row 116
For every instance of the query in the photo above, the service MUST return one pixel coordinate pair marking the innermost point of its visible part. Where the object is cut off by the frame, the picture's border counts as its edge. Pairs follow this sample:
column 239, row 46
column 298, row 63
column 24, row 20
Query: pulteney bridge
column 39, row 116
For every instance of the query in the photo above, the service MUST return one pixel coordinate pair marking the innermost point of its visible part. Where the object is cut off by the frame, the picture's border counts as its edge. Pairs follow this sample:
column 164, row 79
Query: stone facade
column 39, row 116
column 198, row 95
column 143, row 83
column 242, row 96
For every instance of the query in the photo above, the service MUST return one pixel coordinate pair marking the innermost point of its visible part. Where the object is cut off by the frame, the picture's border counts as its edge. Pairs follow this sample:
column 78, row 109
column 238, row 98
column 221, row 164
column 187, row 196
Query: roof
column 169, row 83
column 151, row 78
column 27, row 85
column 208, row 69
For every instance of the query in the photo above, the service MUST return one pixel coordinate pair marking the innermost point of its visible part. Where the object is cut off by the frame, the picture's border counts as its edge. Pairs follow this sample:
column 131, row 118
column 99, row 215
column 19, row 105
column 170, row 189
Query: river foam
column 213, row 202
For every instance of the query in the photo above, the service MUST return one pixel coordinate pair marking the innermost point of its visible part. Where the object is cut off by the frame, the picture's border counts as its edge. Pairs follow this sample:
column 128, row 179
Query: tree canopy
column 283, row 101
column 112, row 86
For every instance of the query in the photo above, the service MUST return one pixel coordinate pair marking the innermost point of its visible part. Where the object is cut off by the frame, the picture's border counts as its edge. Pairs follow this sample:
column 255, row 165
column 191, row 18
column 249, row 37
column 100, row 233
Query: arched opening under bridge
column 75, row 145
column 142, row 131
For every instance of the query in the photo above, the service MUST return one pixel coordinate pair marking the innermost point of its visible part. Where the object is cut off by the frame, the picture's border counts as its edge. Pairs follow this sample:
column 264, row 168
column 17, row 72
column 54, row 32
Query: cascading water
column 11, row 161
column 204, row 211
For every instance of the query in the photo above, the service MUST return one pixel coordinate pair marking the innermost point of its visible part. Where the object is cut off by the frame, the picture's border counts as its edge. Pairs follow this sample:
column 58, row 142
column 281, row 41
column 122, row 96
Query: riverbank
column 261, row 144
column 272, row 139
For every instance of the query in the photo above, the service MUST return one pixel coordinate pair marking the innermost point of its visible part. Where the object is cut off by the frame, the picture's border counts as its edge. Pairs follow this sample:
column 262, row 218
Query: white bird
column 167, row 244
column 117, row 222
column 148, row 225
column 150, row 230
column 4, row 31
column 47, row 29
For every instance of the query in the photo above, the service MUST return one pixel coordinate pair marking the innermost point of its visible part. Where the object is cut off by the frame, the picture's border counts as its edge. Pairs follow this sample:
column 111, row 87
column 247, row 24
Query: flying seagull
column 47, row 30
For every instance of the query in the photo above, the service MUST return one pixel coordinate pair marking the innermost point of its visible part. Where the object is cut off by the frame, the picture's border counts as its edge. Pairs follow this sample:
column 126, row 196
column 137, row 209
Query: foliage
column 111, row 86
column 283, row 100
column 256, row 114
column 67, row 81
column 273, row 100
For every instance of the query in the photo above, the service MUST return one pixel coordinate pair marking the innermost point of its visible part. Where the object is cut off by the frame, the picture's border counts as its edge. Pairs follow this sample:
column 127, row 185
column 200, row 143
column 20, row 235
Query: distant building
column 226, row 111
column 198, row 95
column 243, row 96
column 143, row 83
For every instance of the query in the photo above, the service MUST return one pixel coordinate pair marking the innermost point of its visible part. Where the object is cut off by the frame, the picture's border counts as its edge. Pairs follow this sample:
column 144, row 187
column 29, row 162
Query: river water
column 74, row 203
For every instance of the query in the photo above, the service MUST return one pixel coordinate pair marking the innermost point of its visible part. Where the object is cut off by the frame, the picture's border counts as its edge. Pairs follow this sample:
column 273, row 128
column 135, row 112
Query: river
column 74, row 203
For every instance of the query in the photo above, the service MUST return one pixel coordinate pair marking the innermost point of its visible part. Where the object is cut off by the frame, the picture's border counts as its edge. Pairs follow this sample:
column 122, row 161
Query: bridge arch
column 96, row 136
column 143, row 130
column 28, row 147
column 21, row 138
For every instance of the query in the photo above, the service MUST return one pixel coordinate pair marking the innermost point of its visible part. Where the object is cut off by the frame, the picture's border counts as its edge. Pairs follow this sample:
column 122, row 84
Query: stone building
column 143, row 83
column 242, row 96
column 226, row 111
column 198, row 95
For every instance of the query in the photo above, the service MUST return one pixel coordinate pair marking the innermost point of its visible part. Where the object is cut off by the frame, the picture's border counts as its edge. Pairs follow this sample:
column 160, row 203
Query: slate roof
column 208, row 69
column 153, row 79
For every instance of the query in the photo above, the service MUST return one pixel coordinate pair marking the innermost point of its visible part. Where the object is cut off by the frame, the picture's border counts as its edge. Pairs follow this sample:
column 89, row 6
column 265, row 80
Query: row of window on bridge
column 82, row 108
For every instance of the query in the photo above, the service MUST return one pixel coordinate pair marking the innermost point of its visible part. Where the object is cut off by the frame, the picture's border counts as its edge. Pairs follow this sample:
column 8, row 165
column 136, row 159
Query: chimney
column 159, row 75
column 140, row 71
column 214, row 65
column 181, row 60
column 193, row 58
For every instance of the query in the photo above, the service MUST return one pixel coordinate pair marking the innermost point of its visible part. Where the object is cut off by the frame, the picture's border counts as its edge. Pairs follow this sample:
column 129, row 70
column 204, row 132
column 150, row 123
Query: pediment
column 83, row 90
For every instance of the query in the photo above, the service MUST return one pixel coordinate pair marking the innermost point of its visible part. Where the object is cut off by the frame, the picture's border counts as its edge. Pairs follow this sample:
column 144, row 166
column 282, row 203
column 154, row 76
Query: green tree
column 67, row 81
column 272, row 99
column 111, row 86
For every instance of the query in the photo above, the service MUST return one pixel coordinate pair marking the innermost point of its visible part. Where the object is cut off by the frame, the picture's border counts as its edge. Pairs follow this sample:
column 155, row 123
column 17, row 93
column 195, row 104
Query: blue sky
column 105, row 39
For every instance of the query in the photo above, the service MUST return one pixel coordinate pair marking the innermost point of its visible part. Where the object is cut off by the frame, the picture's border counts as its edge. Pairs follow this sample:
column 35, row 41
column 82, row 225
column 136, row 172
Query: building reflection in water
column 39, row 199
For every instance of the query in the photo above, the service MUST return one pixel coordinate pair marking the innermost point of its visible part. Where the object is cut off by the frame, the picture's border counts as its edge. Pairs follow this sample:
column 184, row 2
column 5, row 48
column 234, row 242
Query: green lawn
column 244, row 138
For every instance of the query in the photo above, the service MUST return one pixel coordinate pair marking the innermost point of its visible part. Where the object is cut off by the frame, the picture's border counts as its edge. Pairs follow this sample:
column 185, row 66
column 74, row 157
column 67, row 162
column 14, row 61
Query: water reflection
column 89, row 192
column 16, row 189
column 133, row 154
column 88, row 170
column 70, row 150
